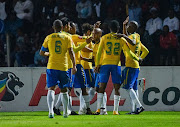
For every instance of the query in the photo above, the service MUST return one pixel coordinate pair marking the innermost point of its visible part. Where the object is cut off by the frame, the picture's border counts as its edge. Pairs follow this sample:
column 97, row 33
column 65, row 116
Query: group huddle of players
column 70, row 65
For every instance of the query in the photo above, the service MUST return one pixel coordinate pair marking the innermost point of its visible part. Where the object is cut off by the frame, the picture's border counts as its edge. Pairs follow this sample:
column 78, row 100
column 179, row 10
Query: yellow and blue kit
column 75, row 49
column 111, row 47
column 131, row 72
column 57, row 44
column 89, row 72
column 79, row 77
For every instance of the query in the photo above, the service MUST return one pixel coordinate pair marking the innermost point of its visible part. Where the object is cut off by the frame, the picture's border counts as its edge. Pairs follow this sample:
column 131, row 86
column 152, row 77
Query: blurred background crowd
column 28, row 22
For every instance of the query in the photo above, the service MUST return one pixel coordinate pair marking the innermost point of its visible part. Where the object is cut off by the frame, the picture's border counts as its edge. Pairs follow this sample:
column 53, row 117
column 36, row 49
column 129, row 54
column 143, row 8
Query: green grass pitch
column 40, row 119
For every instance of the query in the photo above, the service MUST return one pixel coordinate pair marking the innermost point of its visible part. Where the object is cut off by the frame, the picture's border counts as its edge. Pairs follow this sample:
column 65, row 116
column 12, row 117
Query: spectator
column 134, row 11
column 24, row 9
column 176, row 6
column 67, row 7
column 84, row 9
column 20, row 45
column 155, row 23
column 3, row 13
column 50, row 9
column 154, row 28
column 39, row 61
column 12, row 23
column 168, row 44
column 171, row 21
column 99, row 9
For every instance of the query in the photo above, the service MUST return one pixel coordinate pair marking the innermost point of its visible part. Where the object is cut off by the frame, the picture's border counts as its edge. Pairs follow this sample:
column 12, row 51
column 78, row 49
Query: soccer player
column 58, row 45
column 130, row 73
column 66, row 29
column 111, row 48
column 87, row 52
column 97, row 33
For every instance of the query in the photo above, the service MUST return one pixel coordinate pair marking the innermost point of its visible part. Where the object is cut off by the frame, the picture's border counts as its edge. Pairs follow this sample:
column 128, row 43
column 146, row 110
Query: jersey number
column 110, row 48
column 58, row 49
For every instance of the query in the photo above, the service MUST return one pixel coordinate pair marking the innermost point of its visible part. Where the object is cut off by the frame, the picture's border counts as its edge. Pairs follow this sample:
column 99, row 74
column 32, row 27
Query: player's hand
column 126, row 21
column 97, row 24
column 74, row 70
column 119, row 35
column 97, row 69
column 88, row 40
column 140, row 60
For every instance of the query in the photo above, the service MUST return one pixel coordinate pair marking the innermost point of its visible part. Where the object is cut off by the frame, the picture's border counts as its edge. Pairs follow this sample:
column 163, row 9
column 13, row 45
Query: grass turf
column 40, row 119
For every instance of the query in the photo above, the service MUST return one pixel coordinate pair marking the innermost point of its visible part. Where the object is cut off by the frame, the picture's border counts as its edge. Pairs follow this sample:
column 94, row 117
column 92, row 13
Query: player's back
column 112, row 49
column 136, row 49
column 58, row 45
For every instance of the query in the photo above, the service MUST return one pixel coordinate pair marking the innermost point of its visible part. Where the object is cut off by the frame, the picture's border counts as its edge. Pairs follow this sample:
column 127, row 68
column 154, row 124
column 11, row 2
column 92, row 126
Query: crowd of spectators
column 28, row 22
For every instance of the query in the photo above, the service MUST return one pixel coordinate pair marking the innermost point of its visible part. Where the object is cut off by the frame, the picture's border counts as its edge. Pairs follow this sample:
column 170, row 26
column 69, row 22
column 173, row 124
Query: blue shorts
column 79, row 77
column 115, row 72
column 57, row 77
column 97, row 80
column 129, row 78
column 90, row 77
column 71, row 77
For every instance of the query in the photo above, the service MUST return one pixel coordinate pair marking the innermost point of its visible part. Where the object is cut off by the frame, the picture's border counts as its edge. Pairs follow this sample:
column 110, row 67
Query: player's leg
column 116, row 79
column 70, row 86
column 51, row 77
column 103, row 78
column 64, row 79
column 132, row 74
column 103, row 105
column 80, row 82
column 91, row 83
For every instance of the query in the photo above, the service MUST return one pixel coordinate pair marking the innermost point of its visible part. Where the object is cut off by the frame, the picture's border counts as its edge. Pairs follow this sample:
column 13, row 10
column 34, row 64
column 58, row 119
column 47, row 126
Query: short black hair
column 65, row 21
column 72, row 23
column 114, row 26
column 86, row 27
column 57, row 24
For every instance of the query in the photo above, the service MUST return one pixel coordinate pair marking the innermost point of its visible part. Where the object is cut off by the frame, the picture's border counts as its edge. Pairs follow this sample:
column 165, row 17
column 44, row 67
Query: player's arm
column 129, row 52
column 44, row 48
column 87, row 59
column 144, row 50
column 78, row 48
column 130, row 41
column 98, row 56
column 124, row 25
column 71, row 54
column 86, row 49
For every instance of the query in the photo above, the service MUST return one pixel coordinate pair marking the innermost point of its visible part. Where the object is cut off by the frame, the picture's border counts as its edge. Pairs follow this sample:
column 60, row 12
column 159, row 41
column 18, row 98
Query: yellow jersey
column 85, row 64
column 75, row 48
column 136, row 49
column 111, row 47
column 77, row 42
column 58, row 45
column 95, row 49
column 70, row 65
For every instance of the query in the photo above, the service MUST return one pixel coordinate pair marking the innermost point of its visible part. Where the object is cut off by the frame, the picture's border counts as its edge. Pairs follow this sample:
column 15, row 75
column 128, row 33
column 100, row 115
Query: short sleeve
column 45, row 44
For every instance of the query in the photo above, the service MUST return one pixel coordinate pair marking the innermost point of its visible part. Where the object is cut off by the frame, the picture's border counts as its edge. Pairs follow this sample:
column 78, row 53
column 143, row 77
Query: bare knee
column 102, row 87
column 84, row 92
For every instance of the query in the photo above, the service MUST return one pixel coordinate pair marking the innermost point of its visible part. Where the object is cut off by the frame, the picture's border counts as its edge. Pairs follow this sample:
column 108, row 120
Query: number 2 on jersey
column 58, row 49
column 110, row 46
